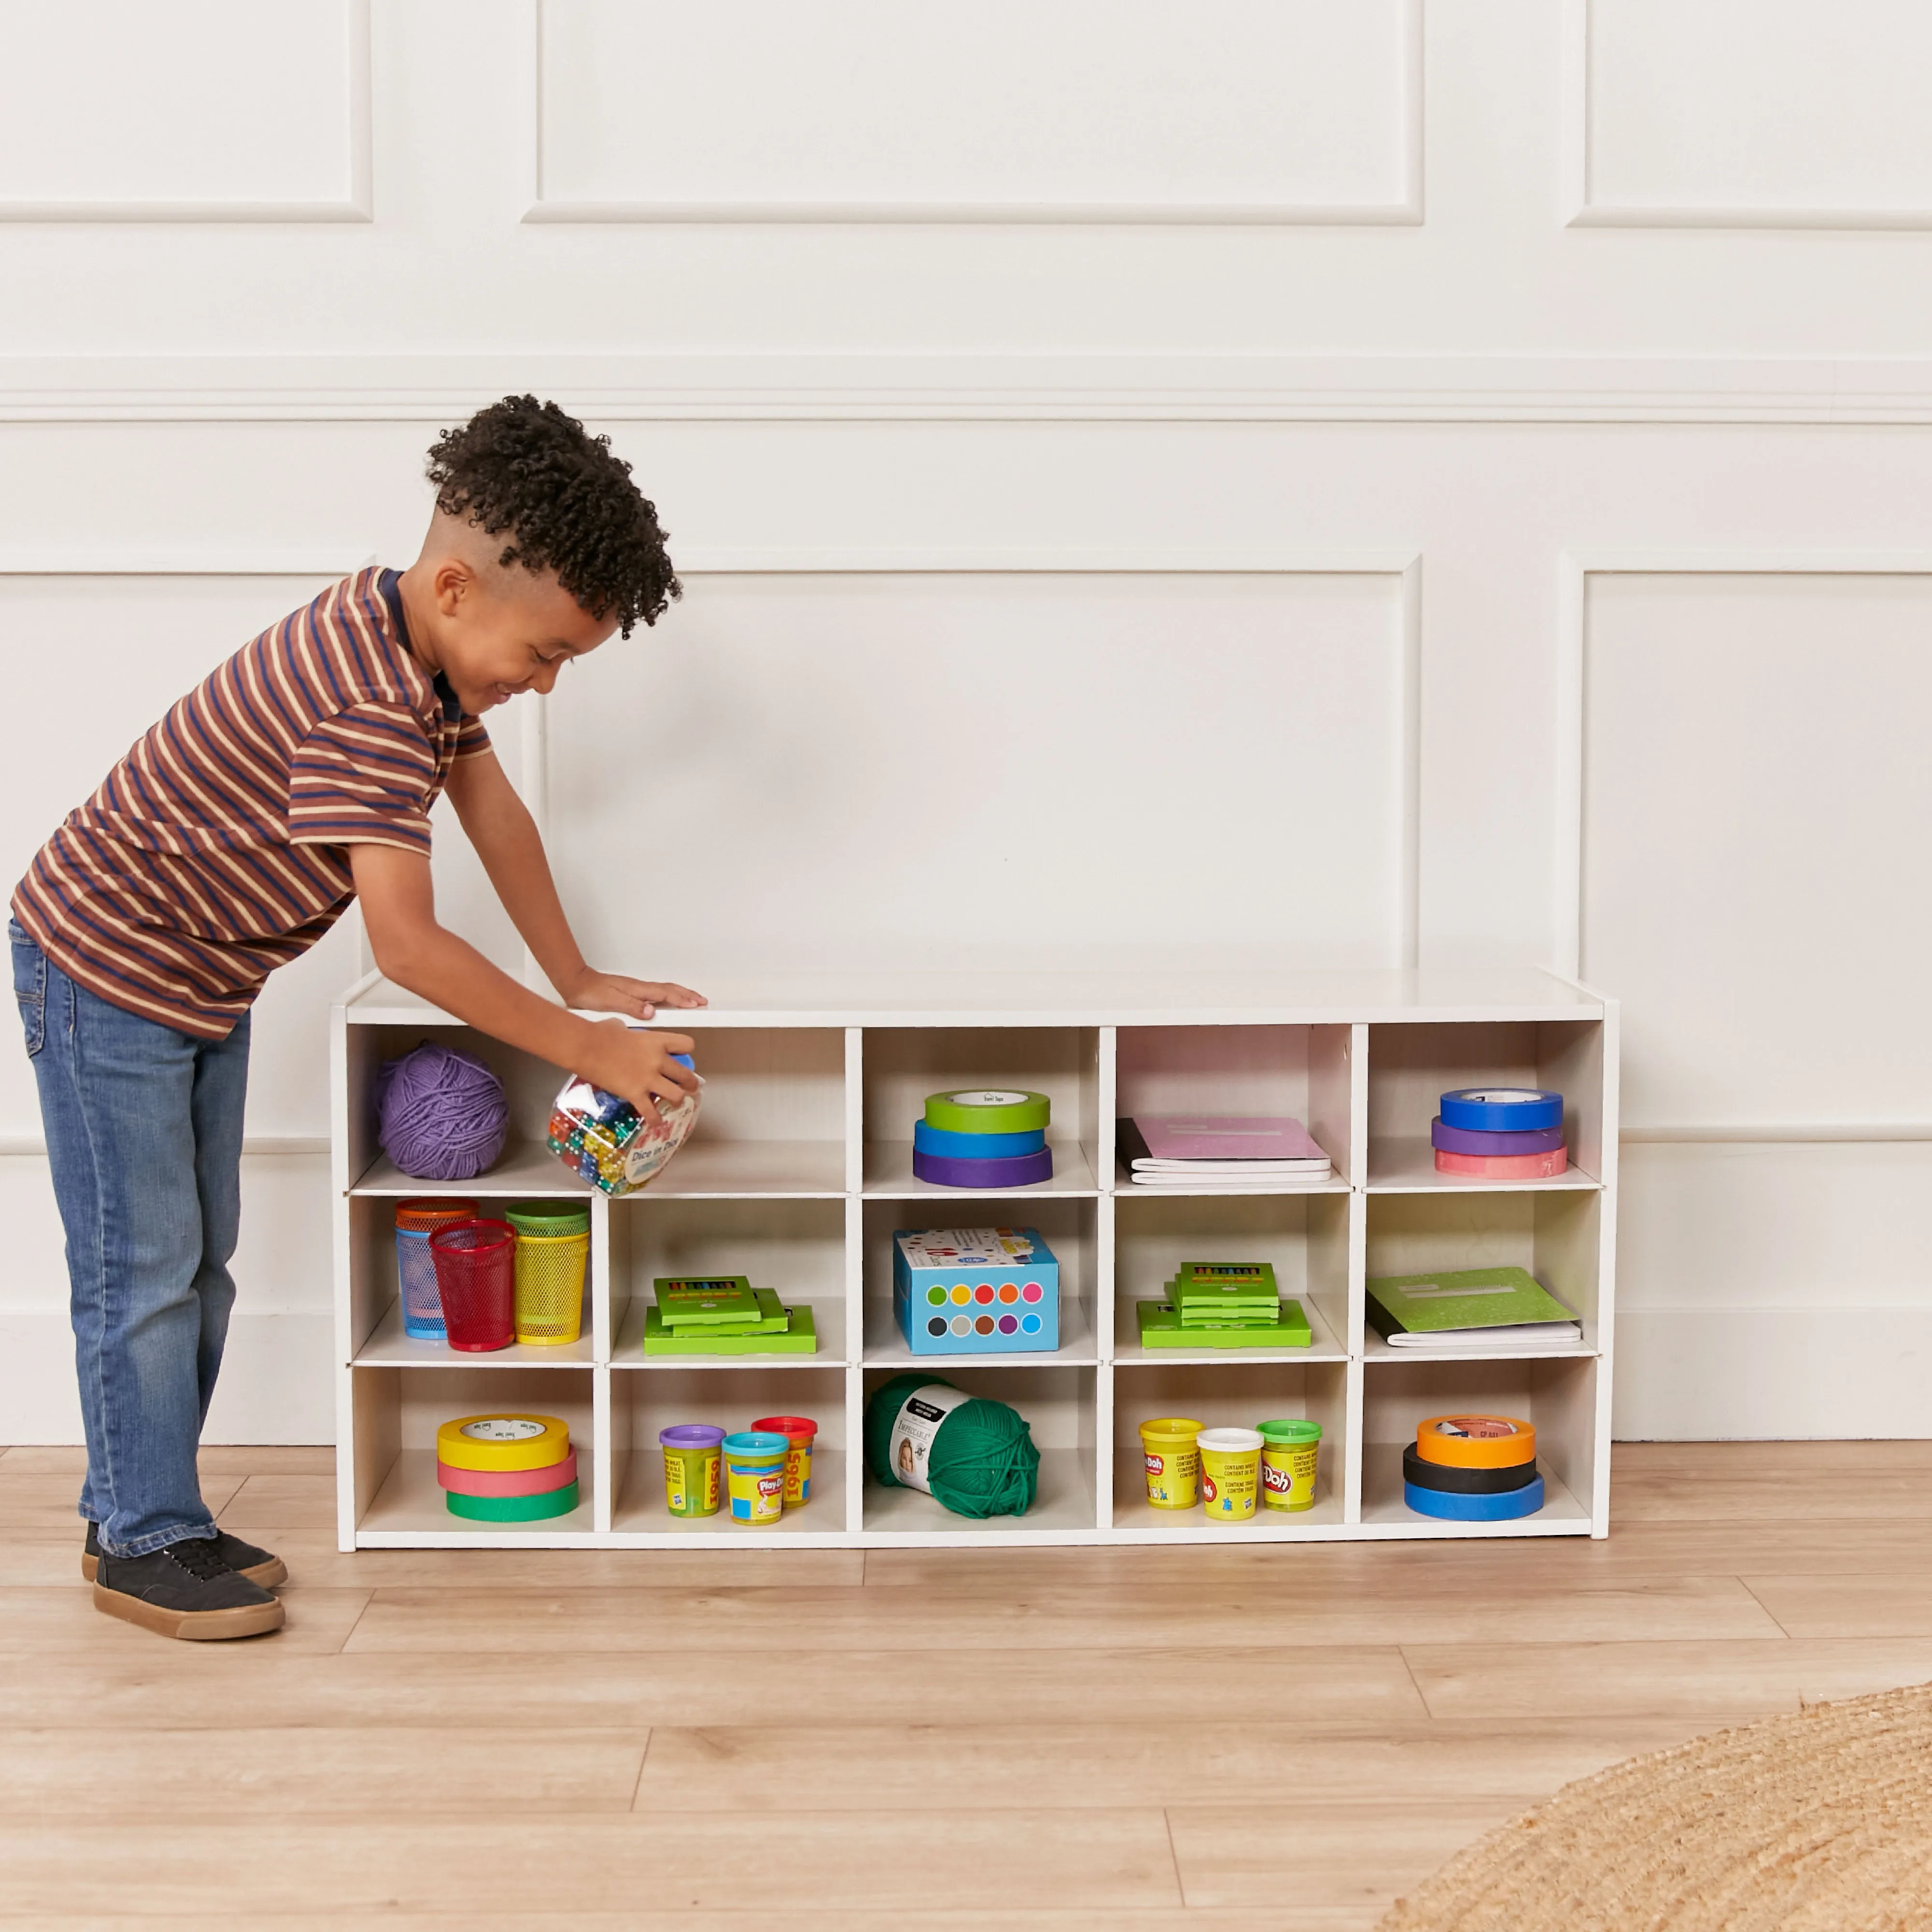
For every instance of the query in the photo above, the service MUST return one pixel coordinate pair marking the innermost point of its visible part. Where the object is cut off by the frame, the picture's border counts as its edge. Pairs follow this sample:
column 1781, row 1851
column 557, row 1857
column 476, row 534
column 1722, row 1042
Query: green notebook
column 1214, row 1311
column 1161, row 1326
column 1440, row 1302
column 799, row 1336
column 706, row 1301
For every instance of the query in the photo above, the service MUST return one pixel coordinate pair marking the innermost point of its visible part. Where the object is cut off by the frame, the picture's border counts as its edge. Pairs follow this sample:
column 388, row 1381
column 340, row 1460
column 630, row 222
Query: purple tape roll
column 1473, row 1140
column 1018, row 1170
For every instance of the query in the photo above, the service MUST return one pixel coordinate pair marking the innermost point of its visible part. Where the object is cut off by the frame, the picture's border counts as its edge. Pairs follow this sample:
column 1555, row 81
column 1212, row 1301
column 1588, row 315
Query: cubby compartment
column 395, row 1501
column 1557, row 1238
column 1412, row 1065
column 903, row 1065
column 1305, row 1237
column 795, row 1247
column 1060, row 1405
column 1070, row 1228
column 643, row 1405
column 1559, row 1397
column 1303, row 1071
column 1241, row 1395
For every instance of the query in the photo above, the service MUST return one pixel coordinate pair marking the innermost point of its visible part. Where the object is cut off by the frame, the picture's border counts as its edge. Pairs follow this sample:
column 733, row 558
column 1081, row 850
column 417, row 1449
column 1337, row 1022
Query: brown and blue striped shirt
column 216, row 850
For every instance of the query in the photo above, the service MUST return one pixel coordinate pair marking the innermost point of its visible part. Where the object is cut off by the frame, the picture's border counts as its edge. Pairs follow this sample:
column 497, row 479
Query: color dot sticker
column 962, row 1324
column 961, row 1295
column 1029, row 1324
column 937, row 1326
column 1009, row 1324
column 935, row 1297
column 1032, row 1291
column 985, row 1324
column 983, row 1294
column 1008, row 1292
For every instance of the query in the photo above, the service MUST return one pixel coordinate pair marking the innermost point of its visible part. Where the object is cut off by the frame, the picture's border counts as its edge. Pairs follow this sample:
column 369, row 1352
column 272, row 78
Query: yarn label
column 917, row 1423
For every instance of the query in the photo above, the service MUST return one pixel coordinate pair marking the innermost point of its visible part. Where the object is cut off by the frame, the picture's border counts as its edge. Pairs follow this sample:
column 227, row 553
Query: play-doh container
column 754, row 1467
column 692, row 1482
column 1173, row 1462
column 799, row 1432
column 1289, row 1452
column 1230, row 1463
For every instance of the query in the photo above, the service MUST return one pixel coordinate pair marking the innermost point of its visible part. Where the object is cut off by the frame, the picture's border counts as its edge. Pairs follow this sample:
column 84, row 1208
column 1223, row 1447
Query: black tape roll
column 1448, row 1481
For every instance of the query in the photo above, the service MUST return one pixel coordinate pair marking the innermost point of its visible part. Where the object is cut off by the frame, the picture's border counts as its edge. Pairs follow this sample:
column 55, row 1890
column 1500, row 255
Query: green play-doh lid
column 1295, row 1428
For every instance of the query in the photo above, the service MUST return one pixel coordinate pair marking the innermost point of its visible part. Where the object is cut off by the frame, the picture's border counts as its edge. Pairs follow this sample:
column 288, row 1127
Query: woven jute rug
column 1820, row 1821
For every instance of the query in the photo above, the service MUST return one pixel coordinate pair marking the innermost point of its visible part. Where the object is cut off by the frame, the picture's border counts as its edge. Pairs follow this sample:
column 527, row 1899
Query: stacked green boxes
column 1224, row 1305
column 724, row 1314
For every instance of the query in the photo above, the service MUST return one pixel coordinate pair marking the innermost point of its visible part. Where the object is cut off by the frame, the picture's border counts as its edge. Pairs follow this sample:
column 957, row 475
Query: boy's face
column 501, row 630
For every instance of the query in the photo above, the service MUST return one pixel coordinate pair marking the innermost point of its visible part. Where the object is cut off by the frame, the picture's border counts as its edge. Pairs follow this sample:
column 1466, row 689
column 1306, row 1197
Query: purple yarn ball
column 441, row 1114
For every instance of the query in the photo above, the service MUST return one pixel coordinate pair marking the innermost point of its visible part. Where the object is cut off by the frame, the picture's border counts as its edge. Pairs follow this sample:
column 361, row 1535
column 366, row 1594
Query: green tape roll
column 988, row 1110
column 514, row 1509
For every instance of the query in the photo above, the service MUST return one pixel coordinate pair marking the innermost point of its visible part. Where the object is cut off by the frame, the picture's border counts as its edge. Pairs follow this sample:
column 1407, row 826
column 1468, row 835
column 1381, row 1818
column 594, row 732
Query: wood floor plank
column 603, row 1621
column 39, row 1623
column 1896, row 1603
column 185, row 1685
column 773, row 1859
column 1720, row 1681
column 995, row 1767
column 41, row 1502
column 1114, row 1918
column 373, row 1770
column 1262, row 1851
column 1733, row 1482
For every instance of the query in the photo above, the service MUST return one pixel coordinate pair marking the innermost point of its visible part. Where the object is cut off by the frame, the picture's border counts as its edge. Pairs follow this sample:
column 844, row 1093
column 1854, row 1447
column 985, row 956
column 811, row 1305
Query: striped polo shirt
column 217, row 849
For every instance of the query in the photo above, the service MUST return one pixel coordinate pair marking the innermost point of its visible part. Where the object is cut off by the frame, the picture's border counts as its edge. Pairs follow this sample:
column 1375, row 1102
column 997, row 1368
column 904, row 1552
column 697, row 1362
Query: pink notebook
column 1217, row 1137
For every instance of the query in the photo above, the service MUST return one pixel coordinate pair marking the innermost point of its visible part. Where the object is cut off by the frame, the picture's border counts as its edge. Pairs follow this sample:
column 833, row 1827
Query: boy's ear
column 454, row 581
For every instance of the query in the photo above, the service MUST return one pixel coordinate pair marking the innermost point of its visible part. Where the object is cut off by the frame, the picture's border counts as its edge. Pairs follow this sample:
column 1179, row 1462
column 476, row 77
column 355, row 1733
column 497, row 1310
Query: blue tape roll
column 1022, row 1171
column 1453, row 1508
column 1446, row 1139
column 929, row 1139
column 1502, row 1110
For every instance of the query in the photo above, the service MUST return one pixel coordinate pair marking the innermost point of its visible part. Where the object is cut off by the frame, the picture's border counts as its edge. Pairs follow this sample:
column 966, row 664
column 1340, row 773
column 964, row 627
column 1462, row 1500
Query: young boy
column 227, row 841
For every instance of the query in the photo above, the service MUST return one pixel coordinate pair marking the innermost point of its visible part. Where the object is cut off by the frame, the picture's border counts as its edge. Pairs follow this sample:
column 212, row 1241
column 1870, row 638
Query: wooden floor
column 1086, row 1741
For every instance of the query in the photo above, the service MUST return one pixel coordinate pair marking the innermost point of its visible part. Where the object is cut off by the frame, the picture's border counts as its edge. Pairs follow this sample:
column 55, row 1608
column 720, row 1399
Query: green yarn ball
column 983, row 1462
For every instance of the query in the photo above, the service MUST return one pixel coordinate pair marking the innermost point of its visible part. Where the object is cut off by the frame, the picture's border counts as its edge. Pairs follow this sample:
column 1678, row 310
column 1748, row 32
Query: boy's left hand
column 596, row 992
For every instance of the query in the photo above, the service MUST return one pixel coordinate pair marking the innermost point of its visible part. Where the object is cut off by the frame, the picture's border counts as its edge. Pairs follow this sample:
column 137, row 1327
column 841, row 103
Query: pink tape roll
column 509, row 1482
column 1504, row 1166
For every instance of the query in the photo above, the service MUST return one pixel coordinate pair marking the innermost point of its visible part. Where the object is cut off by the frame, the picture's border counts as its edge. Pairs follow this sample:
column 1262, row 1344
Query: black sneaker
column 244, row 1558
column 187, row 1590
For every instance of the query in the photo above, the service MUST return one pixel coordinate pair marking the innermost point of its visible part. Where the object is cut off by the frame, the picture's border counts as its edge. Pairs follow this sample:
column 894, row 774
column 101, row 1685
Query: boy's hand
column 638, row 1066
column 595, row 992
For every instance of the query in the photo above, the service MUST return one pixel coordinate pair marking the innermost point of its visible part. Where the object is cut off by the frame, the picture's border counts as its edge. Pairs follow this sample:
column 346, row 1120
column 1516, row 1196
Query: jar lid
column 691, row 1435
column 1294, row 1429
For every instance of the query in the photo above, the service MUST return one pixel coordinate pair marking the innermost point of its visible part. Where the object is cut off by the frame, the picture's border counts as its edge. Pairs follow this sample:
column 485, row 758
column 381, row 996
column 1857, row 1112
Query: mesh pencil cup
column 553, row 1252
column 476, row 1274
column 416, row 1220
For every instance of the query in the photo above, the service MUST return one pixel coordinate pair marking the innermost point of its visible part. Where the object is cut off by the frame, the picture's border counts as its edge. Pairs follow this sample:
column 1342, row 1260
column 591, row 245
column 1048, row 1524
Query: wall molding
column 1581, row 210
column 357, row 204
column 1802, row 1134
column 893, row 387
column 1405, row 211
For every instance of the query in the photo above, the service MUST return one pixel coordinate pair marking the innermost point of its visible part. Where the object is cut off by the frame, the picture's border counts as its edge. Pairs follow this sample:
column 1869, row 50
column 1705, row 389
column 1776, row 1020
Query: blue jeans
column 144, row 1135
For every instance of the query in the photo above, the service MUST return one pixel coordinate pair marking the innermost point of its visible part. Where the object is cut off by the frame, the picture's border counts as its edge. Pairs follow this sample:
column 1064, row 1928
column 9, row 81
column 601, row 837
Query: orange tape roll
column 1476, row 1442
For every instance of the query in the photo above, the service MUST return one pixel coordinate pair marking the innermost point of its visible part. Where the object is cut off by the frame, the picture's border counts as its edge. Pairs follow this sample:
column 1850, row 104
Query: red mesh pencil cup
column 476, row 1277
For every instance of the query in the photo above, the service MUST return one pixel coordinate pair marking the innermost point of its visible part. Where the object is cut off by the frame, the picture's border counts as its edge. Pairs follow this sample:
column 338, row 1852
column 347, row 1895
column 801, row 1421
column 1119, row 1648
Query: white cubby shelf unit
column 800, row 1169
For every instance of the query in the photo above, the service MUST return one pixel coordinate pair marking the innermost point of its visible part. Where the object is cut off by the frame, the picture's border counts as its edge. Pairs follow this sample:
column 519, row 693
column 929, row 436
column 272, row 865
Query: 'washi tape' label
column 1478, row 1428
column 988, row 1096
column 916, row 1424
column 501, row 1429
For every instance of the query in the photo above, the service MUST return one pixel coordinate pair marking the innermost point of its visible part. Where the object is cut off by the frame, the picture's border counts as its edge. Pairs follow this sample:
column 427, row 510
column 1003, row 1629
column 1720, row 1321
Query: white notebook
column 1525, row 1332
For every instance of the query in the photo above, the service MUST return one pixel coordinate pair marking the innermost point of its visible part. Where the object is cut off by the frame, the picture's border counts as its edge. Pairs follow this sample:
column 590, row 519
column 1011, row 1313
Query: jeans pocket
column 30, row 989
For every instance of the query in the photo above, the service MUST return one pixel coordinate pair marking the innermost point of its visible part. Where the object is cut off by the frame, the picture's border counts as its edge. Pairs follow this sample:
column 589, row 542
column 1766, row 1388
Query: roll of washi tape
column 1457, row 1482
column 1022, row 1171
column 507, row 1482
column 514, row 1509
column 988, row 1110
column 1476, row 1442
column 926, row 1138
column 1504, row 1167
column 1452, row 1508
column 505, row 1440
column 1502, row 1110
column 1471, row 1140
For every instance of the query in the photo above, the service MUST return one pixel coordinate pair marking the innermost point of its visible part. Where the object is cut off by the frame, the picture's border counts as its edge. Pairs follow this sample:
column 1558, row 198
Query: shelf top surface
column 1086, row 999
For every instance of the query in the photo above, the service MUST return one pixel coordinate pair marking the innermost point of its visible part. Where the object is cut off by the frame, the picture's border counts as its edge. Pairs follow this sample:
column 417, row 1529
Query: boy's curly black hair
column 568, row 503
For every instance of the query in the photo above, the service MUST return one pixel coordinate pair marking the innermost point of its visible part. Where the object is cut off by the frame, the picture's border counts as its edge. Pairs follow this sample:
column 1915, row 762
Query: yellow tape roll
column 501, row 1441
column 1474, row 1442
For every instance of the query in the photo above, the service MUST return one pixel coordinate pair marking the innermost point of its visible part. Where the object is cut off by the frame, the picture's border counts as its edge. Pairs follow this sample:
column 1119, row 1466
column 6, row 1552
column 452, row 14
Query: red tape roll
column 509, row 1482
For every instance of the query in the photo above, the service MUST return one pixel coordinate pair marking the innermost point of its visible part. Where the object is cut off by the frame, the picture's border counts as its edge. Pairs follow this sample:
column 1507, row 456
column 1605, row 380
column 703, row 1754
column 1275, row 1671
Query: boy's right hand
column 638, row 1067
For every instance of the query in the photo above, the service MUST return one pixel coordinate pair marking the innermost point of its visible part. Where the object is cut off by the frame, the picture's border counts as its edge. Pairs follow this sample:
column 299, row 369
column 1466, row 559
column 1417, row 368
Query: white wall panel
column 200, row 110
column 1779, row 113
column 1294, row 110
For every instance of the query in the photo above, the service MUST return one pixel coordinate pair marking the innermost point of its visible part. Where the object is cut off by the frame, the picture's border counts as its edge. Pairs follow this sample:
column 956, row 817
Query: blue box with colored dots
column 975, row 1291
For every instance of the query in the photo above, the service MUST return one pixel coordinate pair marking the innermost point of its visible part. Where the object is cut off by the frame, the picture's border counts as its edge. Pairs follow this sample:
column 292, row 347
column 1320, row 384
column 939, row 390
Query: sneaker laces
column 201, row 1557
